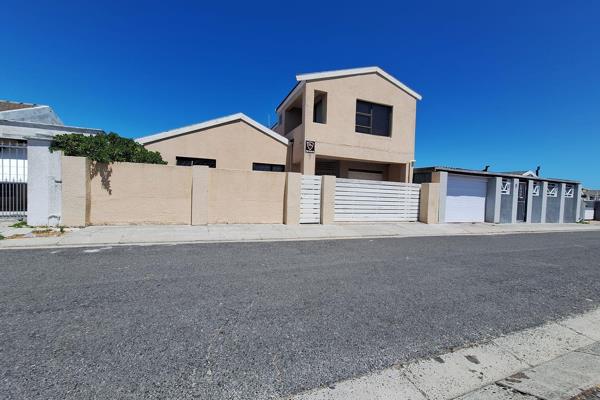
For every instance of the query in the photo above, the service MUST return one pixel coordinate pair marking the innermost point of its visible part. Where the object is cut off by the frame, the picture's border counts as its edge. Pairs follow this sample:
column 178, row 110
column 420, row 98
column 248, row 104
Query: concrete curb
column 74, row 241
column 522, row 365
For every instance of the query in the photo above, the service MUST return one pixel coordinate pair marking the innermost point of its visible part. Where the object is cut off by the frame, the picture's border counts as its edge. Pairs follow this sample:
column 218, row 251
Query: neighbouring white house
column 30, row 175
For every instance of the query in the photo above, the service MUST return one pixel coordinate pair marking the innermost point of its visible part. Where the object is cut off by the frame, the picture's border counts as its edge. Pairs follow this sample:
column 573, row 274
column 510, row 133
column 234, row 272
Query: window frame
column 569, row 191
column 505, row 187
column 320, row 101
column 552, row 190
column 370, row 115
column 280, row 167
column 209, row 162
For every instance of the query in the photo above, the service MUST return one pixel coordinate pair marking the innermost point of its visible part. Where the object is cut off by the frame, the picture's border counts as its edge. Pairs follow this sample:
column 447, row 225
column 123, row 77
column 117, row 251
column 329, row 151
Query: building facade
column 30, row 175
column 232, row 142
column 355, row 123
column 482, row 196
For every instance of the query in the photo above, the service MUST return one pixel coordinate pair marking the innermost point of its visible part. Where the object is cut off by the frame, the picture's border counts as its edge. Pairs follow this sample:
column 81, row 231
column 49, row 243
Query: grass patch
column 20, row 224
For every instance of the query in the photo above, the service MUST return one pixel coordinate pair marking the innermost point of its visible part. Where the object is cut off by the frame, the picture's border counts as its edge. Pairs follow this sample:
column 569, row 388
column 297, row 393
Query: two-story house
column 355, row 123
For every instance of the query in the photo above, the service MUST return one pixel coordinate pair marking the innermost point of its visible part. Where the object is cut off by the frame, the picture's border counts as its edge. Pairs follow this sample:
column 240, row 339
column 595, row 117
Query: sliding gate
column 13, row 178
column 358, row 200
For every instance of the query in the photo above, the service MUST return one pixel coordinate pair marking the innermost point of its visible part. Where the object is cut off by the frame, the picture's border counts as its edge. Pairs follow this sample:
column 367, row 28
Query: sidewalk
column 559, row 360
column 156, row 234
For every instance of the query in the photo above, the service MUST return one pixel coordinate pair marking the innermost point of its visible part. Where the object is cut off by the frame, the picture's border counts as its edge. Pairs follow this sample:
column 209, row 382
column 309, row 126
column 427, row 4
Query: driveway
column 264, row 320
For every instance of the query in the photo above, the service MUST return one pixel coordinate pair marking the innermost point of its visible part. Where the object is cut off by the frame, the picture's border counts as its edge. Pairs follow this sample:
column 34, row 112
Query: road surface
column 264, row 320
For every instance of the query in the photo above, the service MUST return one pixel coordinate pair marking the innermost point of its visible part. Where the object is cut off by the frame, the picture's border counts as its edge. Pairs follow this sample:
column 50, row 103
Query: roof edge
column 491, row 173
column 209, row 124
column 357, row 71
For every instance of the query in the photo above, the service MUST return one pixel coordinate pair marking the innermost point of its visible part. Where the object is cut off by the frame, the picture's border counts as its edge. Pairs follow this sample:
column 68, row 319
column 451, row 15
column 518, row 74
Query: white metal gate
column 358, row 200
column 13, row 178
column 310, row 200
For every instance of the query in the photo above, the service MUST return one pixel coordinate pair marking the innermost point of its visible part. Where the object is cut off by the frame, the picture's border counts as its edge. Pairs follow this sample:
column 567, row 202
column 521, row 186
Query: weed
column 20, row 224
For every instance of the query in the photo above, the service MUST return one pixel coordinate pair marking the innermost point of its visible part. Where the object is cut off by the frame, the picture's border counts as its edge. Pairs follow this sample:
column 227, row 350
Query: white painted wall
column 43, row 184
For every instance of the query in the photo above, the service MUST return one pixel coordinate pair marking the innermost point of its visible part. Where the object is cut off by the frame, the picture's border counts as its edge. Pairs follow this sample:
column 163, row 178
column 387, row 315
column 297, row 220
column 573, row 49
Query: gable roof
column 6, row 105
column 209, row 124
column 358, row 71
column 24, row 130
column 340, row 73
column 28, row 113
column 524, row 173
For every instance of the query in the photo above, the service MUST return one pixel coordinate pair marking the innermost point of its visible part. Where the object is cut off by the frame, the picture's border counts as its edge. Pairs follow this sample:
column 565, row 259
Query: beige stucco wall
column 200, row 195
column 338, row 139
column 128, row 193
column 234, row 145
column 244, row 197
column 75, row 191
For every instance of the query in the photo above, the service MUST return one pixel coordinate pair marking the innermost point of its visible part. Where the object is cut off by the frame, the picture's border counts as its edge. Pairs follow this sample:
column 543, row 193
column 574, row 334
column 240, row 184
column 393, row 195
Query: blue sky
column 511, row 84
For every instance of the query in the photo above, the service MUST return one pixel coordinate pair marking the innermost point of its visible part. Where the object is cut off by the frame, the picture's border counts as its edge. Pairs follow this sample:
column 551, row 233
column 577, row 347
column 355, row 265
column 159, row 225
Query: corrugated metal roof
column 490, row 173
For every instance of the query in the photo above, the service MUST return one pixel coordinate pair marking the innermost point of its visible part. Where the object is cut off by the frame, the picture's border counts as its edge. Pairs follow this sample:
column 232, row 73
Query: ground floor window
column 189, row 161
column 268, row 167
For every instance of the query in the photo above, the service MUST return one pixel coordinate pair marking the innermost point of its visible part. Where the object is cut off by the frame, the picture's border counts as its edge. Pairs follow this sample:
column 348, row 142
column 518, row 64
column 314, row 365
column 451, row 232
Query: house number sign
column 309, row 146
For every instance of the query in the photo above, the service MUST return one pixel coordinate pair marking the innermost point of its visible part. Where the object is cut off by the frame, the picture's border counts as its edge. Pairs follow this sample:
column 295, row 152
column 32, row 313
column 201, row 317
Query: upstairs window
column 552, row 190
column 189, row 161
column 320, row 108
column 268, row 167
column 373, row 119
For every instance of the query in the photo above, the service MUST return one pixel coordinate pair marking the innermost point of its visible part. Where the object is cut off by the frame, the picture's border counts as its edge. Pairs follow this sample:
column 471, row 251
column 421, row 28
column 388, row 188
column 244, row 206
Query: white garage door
column 465, row 199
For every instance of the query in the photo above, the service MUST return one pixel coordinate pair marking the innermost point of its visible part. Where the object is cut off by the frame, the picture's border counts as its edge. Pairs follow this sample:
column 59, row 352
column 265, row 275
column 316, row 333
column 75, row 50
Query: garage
column 465, row 198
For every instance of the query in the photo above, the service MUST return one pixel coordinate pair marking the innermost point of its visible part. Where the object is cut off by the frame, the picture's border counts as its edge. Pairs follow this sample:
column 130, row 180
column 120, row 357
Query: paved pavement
column 265, row 320
column 154, row 234
column 557, row 361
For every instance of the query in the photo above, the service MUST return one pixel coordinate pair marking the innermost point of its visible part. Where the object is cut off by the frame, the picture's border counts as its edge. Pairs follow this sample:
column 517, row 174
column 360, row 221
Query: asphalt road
column 263, row 320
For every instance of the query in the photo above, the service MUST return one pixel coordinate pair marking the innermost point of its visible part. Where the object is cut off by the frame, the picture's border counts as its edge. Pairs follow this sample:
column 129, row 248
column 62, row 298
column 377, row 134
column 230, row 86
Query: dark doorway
column 327, row 167
column 522, row 202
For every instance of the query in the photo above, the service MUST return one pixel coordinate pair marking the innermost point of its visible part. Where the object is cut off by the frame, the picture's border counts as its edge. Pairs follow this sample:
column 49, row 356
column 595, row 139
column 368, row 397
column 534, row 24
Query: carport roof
column 465, row 171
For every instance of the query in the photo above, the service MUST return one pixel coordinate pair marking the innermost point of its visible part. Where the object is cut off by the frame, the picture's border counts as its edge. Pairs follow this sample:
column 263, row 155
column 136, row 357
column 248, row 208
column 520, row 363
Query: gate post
column 429, row 203
column 328, row 199
column 199, row 195
column 291, row 204
column 75, row 191
column 529, row 204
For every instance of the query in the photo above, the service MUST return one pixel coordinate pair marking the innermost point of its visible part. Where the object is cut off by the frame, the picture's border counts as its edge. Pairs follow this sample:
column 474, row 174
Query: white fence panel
column 358, row 200
column 310, row 200
column 589, row 214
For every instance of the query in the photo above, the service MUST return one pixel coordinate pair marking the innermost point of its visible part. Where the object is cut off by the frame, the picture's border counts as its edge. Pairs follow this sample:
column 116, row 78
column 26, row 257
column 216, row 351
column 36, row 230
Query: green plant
column 105, row 148
column 62, row 229
column 2, row 237
column 20, row 224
